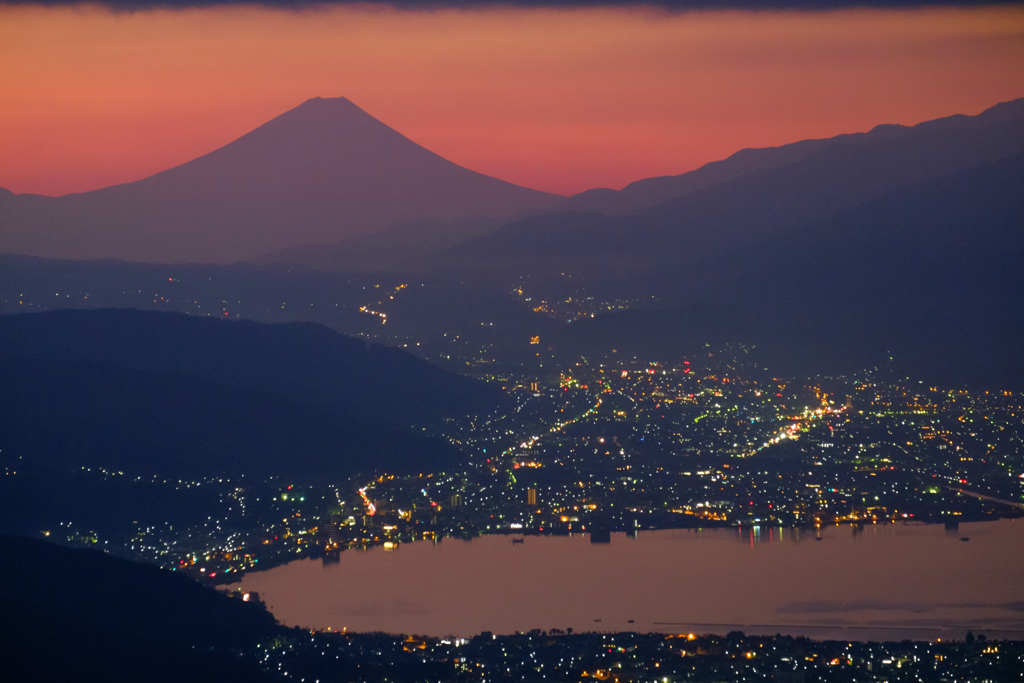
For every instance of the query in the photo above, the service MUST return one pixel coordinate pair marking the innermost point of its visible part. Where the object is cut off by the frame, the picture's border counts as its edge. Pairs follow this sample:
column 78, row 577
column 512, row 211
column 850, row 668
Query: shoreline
column 319, row 554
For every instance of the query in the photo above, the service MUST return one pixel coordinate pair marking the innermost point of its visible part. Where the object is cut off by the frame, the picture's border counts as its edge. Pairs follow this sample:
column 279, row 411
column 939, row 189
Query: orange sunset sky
column 558, row 100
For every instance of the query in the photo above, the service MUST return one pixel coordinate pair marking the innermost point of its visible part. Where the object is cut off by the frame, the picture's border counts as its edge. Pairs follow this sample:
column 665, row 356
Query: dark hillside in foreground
column 113, row 508
column 304, row 363
column 81, row 615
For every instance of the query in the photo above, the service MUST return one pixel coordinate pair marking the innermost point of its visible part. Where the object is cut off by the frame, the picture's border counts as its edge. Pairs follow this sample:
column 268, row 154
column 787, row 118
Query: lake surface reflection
column 885, row 582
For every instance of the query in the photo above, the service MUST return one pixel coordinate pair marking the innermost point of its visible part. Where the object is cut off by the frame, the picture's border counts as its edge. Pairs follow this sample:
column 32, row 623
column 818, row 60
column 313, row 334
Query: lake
column 890, row 581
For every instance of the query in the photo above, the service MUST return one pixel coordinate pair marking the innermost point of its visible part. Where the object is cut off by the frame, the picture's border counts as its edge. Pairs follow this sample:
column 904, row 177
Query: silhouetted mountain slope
column 114, row 507
column 323, row 172
column 928, row 275
column 758, row 203
column 69, row 414
column 305, row 363
column 80, row 615
column 646, row 193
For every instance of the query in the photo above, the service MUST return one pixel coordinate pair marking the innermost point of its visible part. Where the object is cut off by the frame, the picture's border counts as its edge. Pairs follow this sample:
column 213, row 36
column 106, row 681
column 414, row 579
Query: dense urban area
column 620, row 446
column 589, row 444
column 595, row 446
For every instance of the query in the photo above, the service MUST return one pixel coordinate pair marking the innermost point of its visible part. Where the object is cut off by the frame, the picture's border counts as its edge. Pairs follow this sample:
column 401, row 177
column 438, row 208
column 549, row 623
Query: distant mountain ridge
column 323, row 172
column 924, row 282
column 648, row 192
column 790, row 187
column 658, row 217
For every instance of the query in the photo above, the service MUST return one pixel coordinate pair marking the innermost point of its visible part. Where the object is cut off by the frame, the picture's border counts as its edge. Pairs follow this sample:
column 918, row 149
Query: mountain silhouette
column 171, row 394
column 304, row 363
column 649, row 192
column 788, row 188
column 923, row 281
column 65, row 415
column 323, row 172
column 82, row 615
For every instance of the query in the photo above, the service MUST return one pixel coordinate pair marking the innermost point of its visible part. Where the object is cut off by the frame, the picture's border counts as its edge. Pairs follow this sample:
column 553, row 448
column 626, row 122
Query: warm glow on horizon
column 557, row 100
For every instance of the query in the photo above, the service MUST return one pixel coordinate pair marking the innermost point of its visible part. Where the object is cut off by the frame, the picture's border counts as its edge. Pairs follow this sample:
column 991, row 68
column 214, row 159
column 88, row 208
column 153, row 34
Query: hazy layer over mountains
column 323, row 172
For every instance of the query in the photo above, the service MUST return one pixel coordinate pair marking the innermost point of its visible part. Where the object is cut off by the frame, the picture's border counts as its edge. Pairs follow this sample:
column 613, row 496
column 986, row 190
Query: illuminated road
column 972, row 494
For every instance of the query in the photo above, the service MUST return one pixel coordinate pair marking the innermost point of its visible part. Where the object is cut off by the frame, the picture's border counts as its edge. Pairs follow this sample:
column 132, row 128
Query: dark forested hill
column 80, row 615
column 69, row 414
column 170, row 394
column 305, row 363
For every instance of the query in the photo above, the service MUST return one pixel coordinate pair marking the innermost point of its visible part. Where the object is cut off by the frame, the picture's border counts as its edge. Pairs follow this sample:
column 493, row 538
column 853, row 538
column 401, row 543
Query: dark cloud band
column 668, row 5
